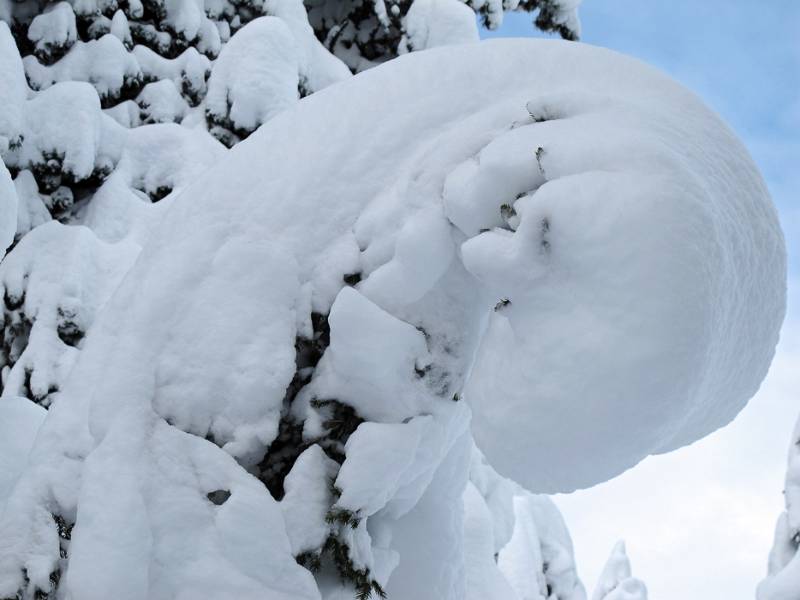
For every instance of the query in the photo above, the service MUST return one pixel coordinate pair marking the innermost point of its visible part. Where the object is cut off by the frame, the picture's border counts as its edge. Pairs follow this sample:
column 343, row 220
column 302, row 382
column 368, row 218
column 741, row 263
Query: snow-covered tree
column 522, row 259
column 616, row 581
column 783, row 579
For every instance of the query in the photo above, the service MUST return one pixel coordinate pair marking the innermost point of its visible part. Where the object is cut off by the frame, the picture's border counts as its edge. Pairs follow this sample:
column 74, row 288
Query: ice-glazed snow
column 431, row 23
column 545, row 250
column 783, row 579
column 616, row 581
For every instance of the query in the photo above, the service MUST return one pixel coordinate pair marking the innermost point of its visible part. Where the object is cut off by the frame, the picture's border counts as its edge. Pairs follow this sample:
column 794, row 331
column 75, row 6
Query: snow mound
column 550, row 237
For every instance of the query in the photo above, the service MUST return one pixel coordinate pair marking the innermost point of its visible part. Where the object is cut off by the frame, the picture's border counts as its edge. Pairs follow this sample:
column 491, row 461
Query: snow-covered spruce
column 552, row 235
column 616, row 581
column 783, row 579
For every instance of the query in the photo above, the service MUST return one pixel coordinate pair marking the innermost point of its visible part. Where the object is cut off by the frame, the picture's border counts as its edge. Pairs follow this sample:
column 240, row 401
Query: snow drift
column 557, row 236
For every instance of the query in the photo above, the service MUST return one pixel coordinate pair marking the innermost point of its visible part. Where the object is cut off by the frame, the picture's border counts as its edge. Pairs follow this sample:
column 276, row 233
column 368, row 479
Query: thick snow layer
column 616, row 582
column 308, row 499
column 554, row 236
column 431, row 23
column 189, row 70
column 783, row 579
column 538, row 561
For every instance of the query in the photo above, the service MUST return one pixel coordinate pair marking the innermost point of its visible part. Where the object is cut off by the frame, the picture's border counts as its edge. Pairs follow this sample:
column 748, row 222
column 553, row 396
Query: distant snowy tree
column 365, row 32
column 616, row 581
column 524, row 259
column 783, row 579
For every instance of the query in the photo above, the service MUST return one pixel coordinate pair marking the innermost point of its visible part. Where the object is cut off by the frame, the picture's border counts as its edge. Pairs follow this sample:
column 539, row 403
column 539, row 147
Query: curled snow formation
column 783, row 579
column 551, row 239
column 616, row 581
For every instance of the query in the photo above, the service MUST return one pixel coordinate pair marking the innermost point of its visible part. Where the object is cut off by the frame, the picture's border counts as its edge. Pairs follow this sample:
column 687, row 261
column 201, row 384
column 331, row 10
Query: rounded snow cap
column 8, row 210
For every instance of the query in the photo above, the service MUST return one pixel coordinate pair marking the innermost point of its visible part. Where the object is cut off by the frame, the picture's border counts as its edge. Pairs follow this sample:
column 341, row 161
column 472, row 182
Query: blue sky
column 698, row 522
